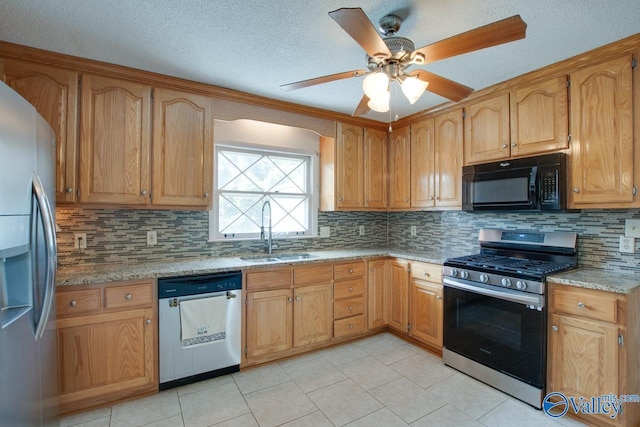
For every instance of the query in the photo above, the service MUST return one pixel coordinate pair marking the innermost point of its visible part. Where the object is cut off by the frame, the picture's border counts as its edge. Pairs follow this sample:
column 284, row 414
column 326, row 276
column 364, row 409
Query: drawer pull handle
column 128, row 296
column 581, row 305
column 350, row 270
column 73, row 303
column 554, row 328
column 148, row 321
column 350, row 289
column 350, row 326
column 350, row 308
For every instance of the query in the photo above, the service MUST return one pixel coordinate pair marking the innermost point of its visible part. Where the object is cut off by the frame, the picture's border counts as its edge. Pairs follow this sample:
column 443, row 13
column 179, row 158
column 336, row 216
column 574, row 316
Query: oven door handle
column 507, row 294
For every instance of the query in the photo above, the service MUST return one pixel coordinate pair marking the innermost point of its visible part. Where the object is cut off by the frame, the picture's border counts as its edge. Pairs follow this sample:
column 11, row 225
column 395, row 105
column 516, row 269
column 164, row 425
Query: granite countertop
column 602, row 280
column 101, row 273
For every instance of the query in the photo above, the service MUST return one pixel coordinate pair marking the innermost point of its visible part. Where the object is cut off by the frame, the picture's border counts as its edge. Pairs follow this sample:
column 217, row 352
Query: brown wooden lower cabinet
column 593, row 349
column 107, row 340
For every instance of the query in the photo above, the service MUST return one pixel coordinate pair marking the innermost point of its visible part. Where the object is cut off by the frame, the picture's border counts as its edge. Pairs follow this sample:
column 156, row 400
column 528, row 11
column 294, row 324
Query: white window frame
column 313, row 191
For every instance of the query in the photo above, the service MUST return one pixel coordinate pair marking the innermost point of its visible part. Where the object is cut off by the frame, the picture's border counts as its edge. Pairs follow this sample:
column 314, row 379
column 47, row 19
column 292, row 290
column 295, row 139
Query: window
column 246, row 178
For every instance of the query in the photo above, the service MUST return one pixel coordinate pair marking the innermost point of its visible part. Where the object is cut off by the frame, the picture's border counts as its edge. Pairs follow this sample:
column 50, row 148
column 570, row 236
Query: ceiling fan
column 389, row 58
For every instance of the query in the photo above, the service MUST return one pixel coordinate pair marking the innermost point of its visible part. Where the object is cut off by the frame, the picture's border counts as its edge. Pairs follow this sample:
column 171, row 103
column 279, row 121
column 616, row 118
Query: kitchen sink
column 274, row 258
column 259, row 259
column 290, row 257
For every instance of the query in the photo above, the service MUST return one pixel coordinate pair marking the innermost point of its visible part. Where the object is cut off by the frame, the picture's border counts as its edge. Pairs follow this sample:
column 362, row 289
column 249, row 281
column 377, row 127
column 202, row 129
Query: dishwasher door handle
column 175, row 302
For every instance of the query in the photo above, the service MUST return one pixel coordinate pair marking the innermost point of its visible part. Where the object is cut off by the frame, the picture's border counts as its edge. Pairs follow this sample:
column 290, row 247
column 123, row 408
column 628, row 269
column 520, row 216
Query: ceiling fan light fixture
column 380, row 103
column 375, row 85
column 413, row 88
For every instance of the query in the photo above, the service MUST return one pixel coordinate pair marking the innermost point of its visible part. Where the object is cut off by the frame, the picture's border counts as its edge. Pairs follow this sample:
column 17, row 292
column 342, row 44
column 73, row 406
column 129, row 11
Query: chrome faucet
column 269, row 241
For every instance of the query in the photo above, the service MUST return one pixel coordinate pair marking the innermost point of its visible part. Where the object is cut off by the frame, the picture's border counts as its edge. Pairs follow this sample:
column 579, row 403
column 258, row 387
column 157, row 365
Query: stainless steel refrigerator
column 28, row 347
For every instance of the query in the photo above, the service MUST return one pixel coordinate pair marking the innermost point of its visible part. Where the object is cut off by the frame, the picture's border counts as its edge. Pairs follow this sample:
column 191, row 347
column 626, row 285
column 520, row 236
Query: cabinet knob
column 128, row 296
column 350, row 326
column 297, row 297
column 513, row 144
column 340, row 198
column 426, row 274
column 576, row 190
column 366, row 200
column 372, row 269
column 431, row 197
column 406, row 199
column 143, row 192
column 73, row 303
column 289, row 299
column 148, row 321
column 504, row 145
column 68, row 189
column 437, row 198
column 581, row 305
column 206, row 195
column 554, row 328
column 350, row 289
column 350, row 270
column 350, row 308
column 438, row 297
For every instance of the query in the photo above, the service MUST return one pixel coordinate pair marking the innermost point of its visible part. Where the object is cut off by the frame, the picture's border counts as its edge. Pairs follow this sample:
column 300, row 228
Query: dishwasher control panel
column 192, row 285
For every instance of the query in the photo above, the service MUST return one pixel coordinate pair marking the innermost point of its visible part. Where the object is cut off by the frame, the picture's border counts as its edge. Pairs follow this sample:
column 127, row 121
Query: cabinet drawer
column 348, row 271
column 348, row 288
column 72, row 303
column 348, row 307
column 274, row 279
column 128, row 296
column 348, row 326
column 587, row 303
column 312, row 275
column 428, row 272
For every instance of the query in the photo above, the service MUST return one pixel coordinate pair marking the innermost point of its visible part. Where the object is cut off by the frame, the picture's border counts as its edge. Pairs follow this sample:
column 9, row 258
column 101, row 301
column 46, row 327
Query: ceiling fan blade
column 357, row 25
column 443, row 87
column 362, row 107
column 503, row 31
column 323, row 79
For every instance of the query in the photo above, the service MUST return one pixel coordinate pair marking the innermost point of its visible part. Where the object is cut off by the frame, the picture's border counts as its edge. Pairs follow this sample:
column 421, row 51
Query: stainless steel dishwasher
column 183, row 361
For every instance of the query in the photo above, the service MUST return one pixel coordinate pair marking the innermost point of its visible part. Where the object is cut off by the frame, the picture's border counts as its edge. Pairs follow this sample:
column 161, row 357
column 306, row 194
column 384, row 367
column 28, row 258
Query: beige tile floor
column 377, row 381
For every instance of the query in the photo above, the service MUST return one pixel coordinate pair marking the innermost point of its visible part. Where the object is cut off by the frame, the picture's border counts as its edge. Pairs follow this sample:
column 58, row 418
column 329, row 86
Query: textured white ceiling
column 256, row 45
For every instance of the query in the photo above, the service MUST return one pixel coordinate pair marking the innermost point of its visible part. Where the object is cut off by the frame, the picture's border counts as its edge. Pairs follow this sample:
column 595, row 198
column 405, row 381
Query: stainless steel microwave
column 529, row 184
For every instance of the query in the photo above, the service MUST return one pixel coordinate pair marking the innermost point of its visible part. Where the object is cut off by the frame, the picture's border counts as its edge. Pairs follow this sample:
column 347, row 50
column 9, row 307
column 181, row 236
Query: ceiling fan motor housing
column 400, row 48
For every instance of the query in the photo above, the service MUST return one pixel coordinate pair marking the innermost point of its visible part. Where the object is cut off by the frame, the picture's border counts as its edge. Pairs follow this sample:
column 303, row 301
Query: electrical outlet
column 325, row 231
column 152, row 238
column 414, row 230
column 362, row 230
column 632, row 228
column 80, row 240
column 627, row 245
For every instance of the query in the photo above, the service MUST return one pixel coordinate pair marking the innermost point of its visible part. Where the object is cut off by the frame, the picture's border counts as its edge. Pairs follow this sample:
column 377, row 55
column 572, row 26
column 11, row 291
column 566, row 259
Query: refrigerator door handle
column 50, row 244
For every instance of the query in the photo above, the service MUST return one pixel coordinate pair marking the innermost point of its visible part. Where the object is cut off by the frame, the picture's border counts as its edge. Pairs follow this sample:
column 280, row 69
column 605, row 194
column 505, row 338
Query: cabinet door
column 486, row 130
column 422, row 164
column 375, row 168
column 426, row 312
column 54, row 94
column 377, row 280
column 182, row 148
column 269, row 322
column 539, row 118
column 114, row 141
column 312, row 314
column 584, row 357
column 106, row 353
column 448, row 159
column 398, row 295
column 400, row 169
column 602, row 140
column 349, row 166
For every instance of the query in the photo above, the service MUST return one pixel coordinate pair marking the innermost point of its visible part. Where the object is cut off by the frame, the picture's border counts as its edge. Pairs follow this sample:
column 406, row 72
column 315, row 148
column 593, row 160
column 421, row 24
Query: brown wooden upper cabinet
column 400, row 168
column 182, row 148
column 527, row 121
column 115, row 138
column 436, row 161
column 54, row 94
column 602, row 147
column 354, row 169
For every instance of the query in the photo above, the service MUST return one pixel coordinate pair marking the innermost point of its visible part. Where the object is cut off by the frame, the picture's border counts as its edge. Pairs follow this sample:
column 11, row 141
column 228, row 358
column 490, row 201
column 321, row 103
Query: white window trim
column 314, row 199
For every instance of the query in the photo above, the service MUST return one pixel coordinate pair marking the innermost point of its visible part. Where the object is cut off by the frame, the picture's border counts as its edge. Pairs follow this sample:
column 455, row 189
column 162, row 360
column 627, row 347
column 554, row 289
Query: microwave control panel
column 550, row 187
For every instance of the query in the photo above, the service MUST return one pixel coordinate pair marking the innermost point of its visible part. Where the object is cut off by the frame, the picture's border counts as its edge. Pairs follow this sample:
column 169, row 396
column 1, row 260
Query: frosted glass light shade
column 380, row 104
column 413, row 88
column 375, row 84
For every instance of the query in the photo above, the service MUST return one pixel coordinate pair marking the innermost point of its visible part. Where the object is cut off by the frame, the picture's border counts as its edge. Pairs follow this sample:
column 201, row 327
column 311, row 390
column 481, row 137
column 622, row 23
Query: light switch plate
column 414, row 230
column 325, row 231
column 627, row 245
column 632, row 228
column 362, row 230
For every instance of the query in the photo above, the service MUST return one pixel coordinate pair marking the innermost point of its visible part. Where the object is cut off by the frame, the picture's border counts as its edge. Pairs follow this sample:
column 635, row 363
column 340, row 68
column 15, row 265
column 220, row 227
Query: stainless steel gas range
column 494, row 308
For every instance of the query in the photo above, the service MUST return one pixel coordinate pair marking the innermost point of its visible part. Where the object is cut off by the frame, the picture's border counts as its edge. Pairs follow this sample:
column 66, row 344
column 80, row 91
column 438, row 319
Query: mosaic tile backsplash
column 119, row 235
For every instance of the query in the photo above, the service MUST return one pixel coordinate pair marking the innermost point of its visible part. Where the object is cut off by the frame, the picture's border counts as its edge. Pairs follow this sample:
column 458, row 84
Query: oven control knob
column 506, row 282
column 454, row 272
column 464, row 274
column 484, row 278
column 521, row 284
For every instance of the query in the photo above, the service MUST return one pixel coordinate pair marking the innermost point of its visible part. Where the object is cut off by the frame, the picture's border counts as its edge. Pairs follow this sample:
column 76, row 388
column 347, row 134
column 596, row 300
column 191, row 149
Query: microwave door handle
column 504, row 295
column 50, row 247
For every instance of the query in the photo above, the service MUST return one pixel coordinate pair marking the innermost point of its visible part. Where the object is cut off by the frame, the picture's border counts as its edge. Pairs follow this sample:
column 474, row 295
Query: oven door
column 497, row 328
